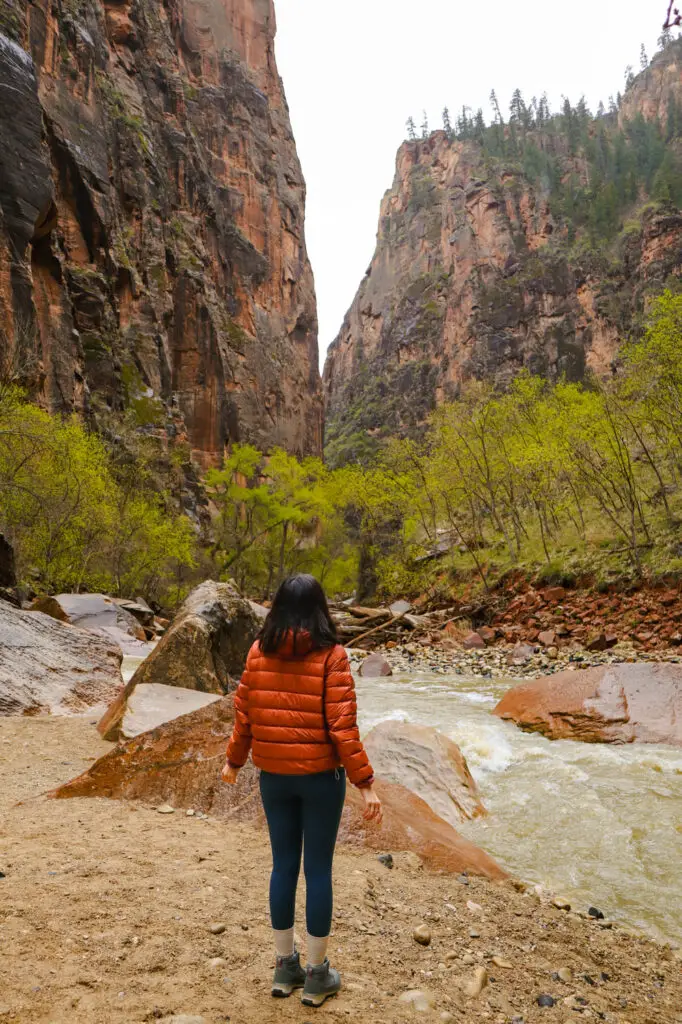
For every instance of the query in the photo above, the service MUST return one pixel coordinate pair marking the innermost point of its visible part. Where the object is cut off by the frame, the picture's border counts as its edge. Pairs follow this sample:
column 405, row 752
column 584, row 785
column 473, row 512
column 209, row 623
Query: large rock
column 47, row 667
column 428, row 763
column 607, row 704
column 204, row 649
column 179, row 764
column 152, row 704
column 91, row 611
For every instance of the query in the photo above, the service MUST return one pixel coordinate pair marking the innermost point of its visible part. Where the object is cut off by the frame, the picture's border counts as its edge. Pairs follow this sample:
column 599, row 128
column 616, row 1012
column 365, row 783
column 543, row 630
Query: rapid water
column 598, row 824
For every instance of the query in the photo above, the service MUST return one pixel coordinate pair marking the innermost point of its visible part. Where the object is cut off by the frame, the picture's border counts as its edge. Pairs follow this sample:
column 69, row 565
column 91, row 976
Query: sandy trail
column 106, row 906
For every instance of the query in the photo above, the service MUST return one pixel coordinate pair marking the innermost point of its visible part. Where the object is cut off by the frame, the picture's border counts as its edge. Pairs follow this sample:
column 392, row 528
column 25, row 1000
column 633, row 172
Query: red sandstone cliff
column 475, row 276
column 151, row 219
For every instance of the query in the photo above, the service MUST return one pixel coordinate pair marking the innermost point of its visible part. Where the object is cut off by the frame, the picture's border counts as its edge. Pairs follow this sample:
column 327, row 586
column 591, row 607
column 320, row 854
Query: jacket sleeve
column 342, row 722
column 240, row 742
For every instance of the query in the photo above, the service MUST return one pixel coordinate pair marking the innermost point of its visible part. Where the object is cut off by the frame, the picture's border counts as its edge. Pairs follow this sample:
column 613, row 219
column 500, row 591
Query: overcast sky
column 355, row 70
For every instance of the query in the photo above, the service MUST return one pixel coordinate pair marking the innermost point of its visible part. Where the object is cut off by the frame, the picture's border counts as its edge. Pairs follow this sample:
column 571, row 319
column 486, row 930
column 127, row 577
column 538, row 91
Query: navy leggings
column 303, row 813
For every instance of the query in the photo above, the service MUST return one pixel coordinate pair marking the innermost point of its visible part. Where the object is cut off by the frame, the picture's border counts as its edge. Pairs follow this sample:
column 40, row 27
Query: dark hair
column 300, row 606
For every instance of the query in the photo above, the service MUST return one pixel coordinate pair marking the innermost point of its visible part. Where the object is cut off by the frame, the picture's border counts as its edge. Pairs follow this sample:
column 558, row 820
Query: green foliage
column 75, row 522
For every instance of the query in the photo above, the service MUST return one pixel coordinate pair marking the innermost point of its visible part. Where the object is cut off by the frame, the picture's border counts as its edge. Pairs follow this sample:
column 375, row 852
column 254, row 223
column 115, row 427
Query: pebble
column 418, row 999
column 468, row 959
column 475, row 985
column 190, row 813
column 545, row 1000
column 182, row 1018
column 447, row 1017
column 217, row 928
column 217, row 961
column 475, row 908
column 561, row 904
column 165, row 809
column 473, row 934
column 499, row 961
column 386, row 859
column 596, row 913
column 517, row 1020
column 2, row 874
column 422, row 935
column 565, row 974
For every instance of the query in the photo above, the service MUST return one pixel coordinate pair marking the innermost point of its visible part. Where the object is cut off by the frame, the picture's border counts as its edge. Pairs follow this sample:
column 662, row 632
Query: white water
column 598, row 824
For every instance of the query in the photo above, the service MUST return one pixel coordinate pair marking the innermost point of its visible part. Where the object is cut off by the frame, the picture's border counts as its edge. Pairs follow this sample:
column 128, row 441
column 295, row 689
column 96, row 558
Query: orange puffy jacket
column 299, row 712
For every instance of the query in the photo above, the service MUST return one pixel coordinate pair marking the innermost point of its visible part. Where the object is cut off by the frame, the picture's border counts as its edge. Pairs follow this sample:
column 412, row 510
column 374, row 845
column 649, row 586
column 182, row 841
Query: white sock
column 284, row 941
column 317, row 950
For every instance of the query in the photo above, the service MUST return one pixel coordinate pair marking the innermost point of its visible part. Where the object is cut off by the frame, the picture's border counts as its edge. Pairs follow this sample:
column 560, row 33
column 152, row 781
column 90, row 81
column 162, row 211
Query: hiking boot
column 320, row 983
column 288, row 975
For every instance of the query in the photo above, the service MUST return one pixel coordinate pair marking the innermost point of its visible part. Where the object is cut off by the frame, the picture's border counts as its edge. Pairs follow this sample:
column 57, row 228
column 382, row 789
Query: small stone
column 468, row 959
column 165, row 809
column 190, row 813
column 182, row 1018
column 447, row 1017
column 561, row 904
column 463, row 878
column 217, row 928
column 2, row 874
column 553, row 653
column 386, row 859
column 517, row 1020
column 217, row 961
column 499, row 961
column 545, row 1000
column 473, row 934
column 422, row 935
column 565, row 974
column 418, row 999
column 475, row 985
column 596, row 913
column 475, row 908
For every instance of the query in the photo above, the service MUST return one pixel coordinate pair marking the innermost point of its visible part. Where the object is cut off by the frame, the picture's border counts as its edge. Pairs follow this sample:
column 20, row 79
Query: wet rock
column 428, row 763
column 91, row 611
column 545, row 1000
column 217, row 928
column 375, row 666
column 422, row 935
column 418, row 999
column 386, row 859
column 477, row 983
column 613, row 703
column 47, row 667
column 205, row 650
column 596, row 913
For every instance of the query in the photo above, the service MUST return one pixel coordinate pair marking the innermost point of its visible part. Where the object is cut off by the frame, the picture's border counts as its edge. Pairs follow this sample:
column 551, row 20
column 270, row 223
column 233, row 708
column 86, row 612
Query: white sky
column 355, row 70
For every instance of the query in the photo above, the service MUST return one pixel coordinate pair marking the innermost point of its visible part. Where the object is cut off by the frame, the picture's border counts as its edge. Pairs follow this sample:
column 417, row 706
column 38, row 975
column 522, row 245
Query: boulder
column 428, row 763
column 488, row 634
column 375, row 666
column 139, row 609
column 48, row 667
column 179, row 764
column 92, row 611
column 204, row 649
column 473, row 642
column 152, row 704
column 547, row 638
column 620, row 703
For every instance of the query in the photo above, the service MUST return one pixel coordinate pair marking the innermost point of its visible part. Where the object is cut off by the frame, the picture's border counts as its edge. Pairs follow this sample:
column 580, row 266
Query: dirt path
column 105, row 913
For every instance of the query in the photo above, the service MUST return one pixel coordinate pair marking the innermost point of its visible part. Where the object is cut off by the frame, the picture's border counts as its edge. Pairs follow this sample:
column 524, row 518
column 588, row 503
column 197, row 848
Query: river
column 598, row 824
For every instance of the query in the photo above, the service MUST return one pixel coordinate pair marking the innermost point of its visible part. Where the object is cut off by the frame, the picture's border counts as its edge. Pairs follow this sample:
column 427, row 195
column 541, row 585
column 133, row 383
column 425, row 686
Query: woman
column 296, row 705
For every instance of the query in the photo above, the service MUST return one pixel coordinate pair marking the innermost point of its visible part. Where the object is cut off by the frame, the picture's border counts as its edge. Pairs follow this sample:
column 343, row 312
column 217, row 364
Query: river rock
column 375, row 666
column 204, row 649
column 477, row 983
column 428, row 763
column 91, row 611
column 47, row 667
column 615, row 703
column 411, row 825
column 151, row 704
column 422, row 935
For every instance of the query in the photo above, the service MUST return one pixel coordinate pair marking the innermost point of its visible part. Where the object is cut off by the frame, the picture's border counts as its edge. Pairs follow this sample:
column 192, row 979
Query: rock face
column 428, row 763
column 180, row 762
column 473, row 277
column 204, row 649
column 47, row 667
column 152, row 251
column 608, row 704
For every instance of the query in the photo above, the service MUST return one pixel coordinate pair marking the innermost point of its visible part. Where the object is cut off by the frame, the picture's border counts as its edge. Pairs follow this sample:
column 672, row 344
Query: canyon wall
column 474, row 276
column 152, row 251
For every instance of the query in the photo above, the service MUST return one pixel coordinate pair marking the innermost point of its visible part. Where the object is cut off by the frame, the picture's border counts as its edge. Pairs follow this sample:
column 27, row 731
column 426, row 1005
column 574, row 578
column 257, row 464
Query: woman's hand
column 230, row 775
column 373, row 809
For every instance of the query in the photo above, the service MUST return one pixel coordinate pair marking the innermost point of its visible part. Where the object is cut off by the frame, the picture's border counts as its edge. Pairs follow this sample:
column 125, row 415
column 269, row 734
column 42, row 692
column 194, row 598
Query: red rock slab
column 180, row 763
column 620, row 703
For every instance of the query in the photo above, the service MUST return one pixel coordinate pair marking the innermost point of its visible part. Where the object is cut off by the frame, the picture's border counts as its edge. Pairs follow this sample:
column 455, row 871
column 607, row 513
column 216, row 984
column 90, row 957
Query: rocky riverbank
column 109, row 914
column 516, row 661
